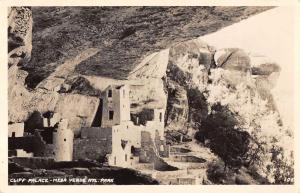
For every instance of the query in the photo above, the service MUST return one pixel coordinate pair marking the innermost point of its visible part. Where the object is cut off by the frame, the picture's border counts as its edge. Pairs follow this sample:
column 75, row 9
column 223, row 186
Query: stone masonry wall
column 93, row 149
column 95, row 143
column 96, row 132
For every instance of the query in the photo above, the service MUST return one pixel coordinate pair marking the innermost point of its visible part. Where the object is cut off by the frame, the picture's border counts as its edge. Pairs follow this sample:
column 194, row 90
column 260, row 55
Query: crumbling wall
column 124, row 137
column 147, row 153
column 187, row 158
column 31, row 143
column 153, row 148
column 34, row 121
column 94, row 143
column 19, row 153
column 48, row 151
column 34, row 162
column 143, row 116
column 187, row 181
column 162, row 148
column 154, row 128
column 154, row 121
column 51, row 119
column 16, row 130
column 129, row 132
column 161, row 165
column 22, row 153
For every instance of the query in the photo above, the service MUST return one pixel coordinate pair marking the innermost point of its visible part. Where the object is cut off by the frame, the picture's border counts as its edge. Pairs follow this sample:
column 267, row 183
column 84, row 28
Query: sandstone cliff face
column 124, row 35
column 197, row 75
column 177, row 107
column 188, row 69
column 162, row 60
column 19, row 35
column 175, row 78
column 19, row 49
column 265, row 42
column 79, row 109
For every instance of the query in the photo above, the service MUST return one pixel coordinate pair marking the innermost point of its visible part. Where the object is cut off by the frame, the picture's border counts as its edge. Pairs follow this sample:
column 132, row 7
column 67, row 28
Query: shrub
column 226, row 140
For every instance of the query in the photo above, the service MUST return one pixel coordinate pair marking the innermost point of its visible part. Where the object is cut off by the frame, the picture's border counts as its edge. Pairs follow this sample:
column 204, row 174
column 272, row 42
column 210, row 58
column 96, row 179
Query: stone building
column 116, row 106
column 51, row 139
column 63, row 142
column 119, row 139
column 16, row 130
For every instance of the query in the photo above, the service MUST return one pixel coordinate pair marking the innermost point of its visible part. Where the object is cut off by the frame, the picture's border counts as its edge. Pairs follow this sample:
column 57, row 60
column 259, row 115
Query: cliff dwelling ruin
column 116, row 136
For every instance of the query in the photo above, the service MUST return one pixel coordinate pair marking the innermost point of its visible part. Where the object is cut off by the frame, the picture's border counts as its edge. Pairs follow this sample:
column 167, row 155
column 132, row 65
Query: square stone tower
column 116, row 105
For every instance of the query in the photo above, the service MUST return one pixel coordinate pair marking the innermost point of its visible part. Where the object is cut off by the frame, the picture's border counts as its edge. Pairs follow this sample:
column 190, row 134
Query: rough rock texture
column 266, row 73
column 177, row 108
column 188, row 71
column 124, row 35
column 189, row 63
column 19, row 35
column 62, row 68
column 236, row 61
column 262, row 65
column 79, row 109
column 233, row 59
column 165, row 70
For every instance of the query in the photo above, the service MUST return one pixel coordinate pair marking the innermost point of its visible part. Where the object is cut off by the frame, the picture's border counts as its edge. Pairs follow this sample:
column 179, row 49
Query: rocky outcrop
column 176, row 116
column 175, row 78
column 153, row 66
column 236, row 63
column 79, row 85
column 125, row 35
column 79, row 109
column 192, row 67
column 187, row 78
column 233, row 59
column 188, row 70
column 19, row 35
column 190, row 62
column 262, row 65
column 265, row 73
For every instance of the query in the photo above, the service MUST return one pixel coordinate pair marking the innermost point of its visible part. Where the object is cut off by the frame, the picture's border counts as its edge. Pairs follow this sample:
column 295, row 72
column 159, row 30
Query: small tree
column 226, row 139
column 269, row 154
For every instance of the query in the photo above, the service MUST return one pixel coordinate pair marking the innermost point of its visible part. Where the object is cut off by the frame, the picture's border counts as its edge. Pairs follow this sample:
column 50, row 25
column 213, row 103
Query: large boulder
column 233, row 59
column 265, row 73
column 189, row 63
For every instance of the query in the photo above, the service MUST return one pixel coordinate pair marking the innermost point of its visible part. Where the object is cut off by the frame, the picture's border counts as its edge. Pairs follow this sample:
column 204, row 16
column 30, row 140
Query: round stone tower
column 63, row 142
